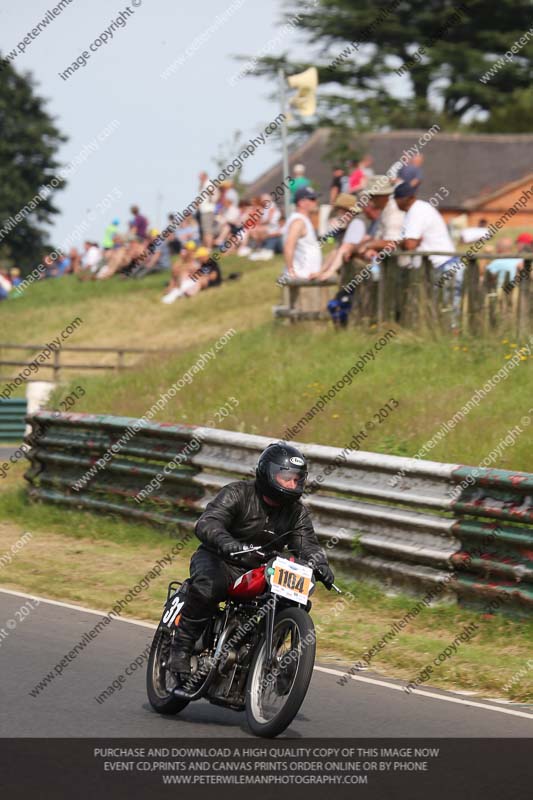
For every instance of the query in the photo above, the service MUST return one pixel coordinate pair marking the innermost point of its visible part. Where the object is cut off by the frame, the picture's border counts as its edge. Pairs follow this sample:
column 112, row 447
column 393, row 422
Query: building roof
column 472, row 167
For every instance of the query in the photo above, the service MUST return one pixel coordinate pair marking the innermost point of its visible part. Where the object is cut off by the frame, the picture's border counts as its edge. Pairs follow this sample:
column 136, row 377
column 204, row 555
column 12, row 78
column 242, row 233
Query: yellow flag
column 306, row 82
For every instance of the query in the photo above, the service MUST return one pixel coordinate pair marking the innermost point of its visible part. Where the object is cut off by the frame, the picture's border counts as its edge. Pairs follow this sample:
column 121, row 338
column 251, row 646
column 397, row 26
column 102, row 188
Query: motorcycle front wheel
column 160, row 681
column 274, row 695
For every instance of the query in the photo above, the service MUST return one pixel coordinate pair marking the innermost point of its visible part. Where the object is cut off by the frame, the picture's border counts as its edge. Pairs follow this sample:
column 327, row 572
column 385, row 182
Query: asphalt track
column 367, row 706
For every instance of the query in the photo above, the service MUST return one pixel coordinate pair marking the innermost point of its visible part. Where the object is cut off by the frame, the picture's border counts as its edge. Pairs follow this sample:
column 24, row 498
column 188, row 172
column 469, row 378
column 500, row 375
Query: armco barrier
column 461, row 530
column 12, row 415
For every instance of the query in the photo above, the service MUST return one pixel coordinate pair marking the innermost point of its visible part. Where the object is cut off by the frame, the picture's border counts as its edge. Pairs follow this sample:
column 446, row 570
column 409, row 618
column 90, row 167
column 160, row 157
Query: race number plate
column 291, row 580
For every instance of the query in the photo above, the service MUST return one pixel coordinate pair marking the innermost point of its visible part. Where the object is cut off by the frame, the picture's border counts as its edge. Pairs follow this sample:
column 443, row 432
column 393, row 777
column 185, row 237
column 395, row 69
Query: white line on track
column 433, row 695
column 397, row 687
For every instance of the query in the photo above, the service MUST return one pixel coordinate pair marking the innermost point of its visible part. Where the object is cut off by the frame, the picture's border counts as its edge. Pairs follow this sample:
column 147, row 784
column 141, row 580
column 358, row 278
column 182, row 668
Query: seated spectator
column 91, row 258
column 301, row 249
column 229, row 221
column 504, row 268
column 14, row 277
column 188, row 231
column 159, row 257
column 266, row 235
column 198, row 271
column 5, row 285
column 75, row 260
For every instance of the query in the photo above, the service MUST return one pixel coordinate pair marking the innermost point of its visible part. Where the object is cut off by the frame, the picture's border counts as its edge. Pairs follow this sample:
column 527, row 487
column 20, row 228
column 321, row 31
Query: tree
column 226, row 153
column 411, row 63
column 29, row 141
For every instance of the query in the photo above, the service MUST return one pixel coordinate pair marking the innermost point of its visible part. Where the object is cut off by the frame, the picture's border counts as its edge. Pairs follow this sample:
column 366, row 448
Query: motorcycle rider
column 266, row 512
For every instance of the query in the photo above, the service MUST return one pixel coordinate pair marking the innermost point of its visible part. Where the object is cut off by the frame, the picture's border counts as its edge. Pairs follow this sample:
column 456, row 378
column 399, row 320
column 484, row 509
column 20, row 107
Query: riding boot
column 188, row 632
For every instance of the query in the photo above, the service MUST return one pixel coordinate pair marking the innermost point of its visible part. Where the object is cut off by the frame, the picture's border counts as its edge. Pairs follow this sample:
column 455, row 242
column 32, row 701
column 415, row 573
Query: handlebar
column 252, row 549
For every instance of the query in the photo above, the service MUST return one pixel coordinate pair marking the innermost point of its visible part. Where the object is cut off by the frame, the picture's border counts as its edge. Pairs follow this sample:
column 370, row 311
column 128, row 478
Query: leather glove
column 228, row 546
column 324, row 573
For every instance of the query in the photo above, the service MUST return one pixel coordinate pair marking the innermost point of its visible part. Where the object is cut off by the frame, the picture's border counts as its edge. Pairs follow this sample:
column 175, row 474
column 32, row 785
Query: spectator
column 411, row 174
column 228, row 190
column 90, row 259
column 379, row 220
column 299, row 181
column 425, row 229
column 139, row 224
column 524, row 240
column 110, row 231
column 366, row 165
column 229, row 222
column 300, row 246
column 338, row 180
column 5, row 285
column 266, row 235
column 207, row 211
column 198, row 271
column 360, row 173
column 14, row 277
column 188, row 231
column 502, row 267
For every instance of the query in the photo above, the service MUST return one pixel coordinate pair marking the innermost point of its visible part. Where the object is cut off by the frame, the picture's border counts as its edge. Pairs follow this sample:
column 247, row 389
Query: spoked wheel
column 274, row 695
column 159, row 680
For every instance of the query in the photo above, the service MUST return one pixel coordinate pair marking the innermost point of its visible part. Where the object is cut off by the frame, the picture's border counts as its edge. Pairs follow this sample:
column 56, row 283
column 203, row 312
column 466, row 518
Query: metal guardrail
column 12, row 416
column 438, row 521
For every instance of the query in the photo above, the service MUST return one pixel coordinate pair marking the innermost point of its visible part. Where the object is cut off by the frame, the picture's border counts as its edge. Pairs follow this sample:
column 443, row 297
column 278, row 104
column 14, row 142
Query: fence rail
column 58, row 364
column 479, row 303
column 401, row 520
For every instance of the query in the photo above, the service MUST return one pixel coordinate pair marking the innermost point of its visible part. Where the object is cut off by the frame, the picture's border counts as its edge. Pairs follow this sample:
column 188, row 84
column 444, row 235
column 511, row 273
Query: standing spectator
column 366, row 165
column 337, row 184
column 355, row 178
column 300, row 247
column 299, row 181
column 109, row 233
column 425, row 229
column 206, row 211
column 412, row 174
column 139, row 223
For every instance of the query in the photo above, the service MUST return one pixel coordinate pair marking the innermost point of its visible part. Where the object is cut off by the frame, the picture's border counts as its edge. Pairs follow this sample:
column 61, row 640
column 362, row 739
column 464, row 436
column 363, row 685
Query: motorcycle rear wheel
column 159, row 681
column 274, row 697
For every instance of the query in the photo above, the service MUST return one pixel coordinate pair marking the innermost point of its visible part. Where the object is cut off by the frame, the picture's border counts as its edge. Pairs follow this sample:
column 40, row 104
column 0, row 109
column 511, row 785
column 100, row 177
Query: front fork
column 269, row 632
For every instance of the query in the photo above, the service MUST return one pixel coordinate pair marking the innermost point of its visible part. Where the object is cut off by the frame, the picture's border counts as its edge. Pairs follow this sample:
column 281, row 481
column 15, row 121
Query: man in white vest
column 301, row 249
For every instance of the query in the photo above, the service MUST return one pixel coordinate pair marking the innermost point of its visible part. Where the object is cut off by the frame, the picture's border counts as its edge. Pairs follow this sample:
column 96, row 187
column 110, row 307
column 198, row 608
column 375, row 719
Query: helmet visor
column 290, row 479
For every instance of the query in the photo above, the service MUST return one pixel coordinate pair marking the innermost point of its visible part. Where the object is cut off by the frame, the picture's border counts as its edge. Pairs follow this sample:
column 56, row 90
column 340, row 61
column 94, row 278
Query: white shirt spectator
column 354, row 232
column 307, row 254
column 91, row 258
column 424, row 222
column 391, row 221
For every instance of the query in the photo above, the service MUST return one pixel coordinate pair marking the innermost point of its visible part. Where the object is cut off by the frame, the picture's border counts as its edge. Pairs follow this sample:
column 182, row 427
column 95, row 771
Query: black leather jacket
column 239, row 513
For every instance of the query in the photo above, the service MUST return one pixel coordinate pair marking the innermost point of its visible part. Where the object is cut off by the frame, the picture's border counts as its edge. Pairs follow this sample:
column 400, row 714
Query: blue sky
column 168, row 130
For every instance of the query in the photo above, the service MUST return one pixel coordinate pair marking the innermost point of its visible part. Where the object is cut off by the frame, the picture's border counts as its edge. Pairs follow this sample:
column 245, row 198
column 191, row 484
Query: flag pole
column 284, row 145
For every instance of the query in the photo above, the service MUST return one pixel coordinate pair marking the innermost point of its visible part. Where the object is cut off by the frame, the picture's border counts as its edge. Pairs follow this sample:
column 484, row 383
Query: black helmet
column 278, row 462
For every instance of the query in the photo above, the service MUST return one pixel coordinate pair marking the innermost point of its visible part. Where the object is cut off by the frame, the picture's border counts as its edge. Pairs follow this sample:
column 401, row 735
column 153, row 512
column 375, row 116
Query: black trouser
column 210, row 580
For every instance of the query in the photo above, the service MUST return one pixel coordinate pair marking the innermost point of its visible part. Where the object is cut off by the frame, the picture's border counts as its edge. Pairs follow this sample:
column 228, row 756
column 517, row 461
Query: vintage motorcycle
column 256, row 654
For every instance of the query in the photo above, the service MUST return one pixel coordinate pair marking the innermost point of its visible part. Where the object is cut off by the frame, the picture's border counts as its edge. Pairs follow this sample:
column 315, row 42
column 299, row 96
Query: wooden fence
column 57, row 361
column 412, row 297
